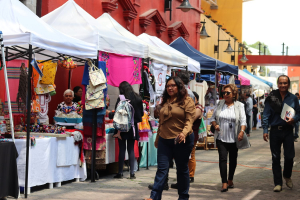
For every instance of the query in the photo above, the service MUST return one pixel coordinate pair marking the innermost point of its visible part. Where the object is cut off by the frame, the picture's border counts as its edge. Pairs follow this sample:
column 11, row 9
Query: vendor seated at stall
column 77, row 94
column 67, row 105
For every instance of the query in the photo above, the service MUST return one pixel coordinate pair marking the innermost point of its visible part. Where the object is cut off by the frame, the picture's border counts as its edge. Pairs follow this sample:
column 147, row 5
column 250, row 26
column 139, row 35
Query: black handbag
column 212, row 129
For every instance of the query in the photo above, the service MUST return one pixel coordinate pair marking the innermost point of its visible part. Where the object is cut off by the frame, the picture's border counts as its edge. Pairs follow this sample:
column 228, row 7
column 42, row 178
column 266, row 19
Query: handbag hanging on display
column 96, row 103
column 92, row 89
column 96, row 75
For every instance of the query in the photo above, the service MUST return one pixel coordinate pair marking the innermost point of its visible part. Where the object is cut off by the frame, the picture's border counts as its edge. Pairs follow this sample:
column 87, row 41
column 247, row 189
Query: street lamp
column 244, row 58
column 203, row 33
column 185, row 6
column 228, row 50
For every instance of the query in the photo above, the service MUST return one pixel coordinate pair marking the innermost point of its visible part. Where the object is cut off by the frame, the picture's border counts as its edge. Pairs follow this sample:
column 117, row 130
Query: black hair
column 181, row 94
column 297, row 94
column 196, row 95
column 248, row 95
column 184, row 76
column 289, row 81
column 76, row 89
column 126, row 89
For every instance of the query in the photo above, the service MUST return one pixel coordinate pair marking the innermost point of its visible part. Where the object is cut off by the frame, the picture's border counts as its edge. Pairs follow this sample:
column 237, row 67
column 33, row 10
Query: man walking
column 281, row 131
column 249, row 108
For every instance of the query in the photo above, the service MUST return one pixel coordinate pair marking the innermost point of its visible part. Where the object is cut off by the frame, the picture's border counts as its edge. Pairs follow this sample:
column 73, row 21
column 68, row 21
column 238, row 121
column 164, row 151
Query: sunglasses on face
column 226, row 93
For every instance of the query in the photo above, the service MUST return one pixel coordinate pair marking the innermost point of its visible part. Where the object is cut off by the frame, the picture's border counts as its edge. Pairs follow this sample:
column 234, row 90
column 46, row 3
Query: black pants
column 248, row 118
column 166, row 151
column 277, row 138
column 255, row 111
column 223, row 149
column 122, row 151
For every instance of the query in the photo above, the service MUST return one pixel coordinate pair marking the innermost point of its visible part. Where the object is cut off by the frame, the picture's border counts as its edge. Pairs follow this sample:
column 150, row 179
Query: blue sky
column 273, row 22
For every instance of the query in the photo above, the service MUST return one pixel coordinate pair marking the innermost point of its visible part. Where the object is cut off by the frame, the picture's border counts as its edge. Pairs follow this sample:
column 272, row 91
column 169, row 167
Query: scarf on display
column 275, row 101
column 22, row 91
column 130, row 66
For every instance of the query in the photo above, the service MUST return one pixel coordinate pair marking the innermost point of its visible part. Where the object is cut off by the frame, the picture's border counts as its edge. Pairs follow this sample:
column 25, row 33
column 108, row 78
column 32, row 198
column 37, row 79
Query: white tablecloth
column 43, row 159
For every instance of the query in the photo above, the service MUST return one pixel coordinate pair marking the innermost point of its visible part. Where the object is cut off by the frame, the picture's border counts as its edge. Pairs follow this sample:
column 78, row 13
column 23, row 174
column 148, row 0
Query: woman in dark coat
column 136, row 101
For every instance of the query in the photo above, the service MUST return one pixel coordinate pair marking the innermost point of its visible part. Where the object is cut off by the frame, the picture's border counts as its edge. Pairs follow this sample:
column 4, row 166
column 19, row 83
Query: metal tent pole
column 28, row 105
column 7, row 86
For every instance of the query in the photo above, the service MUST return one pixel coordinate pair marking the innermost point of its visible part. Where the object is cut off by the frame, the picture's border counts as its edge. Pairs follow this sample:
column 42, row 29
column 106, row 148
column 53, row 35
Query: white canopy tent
column 256, row 84
column 20, row 26
column 193, row 66
column 156, row 54
column 73, row 20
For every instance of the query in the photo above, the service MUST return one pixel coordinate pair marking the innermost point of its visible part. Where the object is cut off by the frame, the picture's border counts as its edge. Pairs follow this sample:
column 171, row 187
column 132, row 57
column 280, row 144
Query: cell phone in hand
column 176, row 140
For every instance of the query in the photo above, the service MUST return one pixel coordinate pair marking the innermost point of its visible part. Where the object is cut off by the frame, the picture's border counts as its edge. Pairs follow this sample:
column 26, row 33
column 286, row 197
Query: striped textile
column 13, row 72
column 14, row 108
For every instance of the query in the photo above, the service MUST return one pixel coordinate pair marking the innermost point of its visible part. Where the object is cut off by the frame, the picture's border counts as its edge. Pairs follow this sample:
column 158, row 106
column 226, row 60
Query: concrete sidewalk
column 253, row 180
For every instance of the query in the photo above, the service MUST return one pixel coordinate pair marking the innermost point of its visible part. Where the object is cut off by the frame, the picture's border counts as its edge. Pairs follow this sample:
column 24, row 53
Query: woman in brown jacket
column 175, row 137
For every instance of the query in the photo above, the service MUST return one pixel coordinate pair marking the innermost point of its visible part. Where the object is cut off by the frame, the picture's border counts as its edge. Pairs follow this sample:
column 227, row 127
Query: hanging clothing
column 144, row 126
column 129, row 66
column 159, row 72
column 40, row 88
column 201, row 89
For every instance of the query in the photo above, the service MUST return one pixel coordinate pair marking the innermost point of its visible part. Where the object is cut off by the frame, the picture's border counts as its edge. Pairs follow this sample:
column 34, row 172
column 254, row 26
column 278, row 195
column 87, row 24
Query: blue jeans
column 166, row 151
column 277, row 138
column 296, row 135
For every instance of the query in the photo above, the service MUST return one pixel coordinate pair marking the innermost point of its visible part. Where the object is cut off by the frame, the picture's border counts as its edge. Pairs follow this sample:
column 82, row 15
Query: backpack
column 124, row 116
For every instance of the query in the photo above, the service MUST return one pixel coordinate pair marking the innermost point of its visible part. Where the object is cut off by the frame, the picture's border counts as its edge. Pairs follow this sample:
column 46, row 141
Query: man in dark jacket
column 281, row 130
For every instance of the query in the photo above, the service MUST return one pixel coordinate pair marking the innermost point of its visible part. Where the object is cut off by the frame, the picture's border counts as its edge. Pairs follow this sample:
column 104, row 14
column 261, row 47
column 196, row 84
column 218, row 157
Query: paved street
column 253, row 180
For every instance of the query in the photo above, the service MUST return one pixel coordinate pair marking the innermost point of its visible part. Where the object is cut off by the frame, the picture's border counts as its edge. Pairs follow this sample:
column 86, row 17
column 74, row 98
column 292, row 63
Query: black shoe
column 224, row 190
column 118, row 176
column 166, row 186
column 191, row 179
column 132, row 176
column 174, row 186
column 231, row 186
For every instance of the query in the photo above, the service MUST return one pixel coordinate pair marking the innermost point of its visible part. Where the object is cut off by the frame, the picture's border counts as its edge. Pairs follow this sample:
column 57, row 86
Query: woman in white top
column 229, row 121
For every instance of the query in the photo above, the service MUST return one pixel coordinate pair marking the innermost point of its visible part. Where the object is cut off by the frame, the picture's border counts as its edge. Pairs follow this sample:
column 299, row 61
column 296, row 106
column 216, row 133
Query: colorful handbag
column 67, row 63
column 92, row 104
column 97, row 76
column 49, row 71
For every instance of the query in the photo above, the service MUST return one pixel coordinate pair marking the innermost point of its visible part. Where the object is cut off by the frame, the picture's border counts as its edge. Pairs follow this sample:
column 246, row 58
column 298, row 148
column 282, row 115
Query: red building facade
column 144, row 16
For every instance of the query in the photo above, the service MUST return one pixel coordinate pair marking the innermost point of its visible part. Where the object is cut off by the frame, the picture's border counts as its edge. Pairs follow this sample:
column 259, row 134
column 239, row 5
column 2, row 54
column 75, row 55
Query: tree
column 256, row 46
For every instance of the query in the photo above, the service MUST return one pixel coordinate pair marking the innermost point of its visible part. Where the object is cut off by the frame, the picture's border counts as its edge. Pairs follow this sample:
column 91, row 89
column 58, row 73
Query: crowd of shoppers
column 180, row 117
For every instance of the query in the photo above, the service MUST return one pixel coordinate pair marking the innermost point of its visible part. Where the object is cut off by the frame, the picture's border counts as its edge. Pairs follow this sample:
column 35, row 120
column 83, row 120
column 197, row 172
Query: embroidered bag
column 124, row 116
column 96, row 103
column 49, row 71
column 92, row 89
column 94, row 95
column 97, row 76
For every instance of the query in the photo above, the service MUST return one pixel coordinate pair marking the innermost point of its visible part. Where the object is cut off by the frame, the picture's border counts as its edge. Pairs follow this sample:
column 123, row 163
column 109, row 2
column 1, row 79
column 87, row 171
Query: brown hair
column 181, row 95
column 234, row 90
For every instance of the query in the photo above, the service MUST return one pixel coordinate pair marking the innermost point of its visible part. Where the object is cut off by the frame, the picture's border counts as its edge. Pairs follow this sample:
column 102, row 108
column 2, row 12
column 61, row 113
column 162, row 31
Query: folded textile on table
column 67, row 153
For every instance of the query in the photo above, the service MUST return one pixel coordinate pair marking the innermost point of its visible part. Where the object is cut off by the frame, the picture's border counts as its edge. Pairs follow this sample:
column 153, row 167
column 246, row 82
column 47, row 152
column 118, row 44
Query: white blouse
column 227, row 123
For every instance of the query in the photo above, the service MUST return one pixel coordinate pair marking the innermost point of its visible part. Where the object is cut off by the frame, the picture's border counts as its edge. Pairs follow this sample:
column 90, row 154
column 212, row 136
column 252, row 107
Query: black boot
column 166, row 186
column 118, row 176
column 191, row 179
column 132, row 176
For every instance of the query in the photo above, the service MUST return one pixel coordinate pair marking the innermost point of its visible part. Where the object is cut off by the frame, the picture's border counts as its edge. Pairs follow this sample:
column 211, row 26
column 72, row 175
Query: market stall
column 193, row 65
column 27, row 37
column 258, row 78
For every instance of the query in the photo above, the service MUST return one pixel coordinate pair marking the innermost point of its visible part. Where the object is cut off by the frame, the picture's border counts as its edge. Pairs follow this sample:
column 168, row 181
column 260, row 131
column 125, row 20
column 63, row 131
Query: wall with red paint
column 94, row 7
